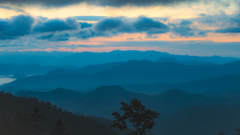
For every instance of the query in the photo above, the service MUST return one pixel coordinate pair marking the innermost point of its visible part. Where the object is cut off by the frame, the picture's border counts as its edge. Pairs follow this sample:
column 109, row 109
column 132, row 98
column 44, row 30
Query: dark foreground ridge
column 181, row 113
column 74, row 124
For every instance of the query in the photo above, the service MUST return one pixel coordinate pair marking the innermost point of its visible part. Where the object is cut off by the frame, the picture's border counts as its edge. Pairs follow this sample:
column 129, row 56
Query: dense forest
column 29, row 116
column 178, row 110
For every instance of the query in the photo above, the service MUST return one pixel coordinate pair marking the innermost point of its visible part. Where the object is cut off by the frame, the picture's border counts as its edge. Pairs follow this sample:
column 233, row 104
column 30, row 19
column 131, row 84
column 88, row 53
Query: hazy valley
column 198, row 92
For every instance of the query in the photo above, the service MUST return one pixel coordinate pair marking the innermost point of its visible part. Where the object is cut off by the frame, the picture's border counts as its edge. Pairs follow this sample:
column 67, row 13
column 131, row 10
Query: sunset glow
column 95, row 24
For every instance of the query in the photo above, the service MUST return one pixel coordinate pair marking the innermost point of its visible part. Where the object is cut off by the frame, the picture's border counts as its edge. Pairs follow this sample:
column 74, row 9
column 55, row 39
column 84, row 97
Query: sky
column 185, row 27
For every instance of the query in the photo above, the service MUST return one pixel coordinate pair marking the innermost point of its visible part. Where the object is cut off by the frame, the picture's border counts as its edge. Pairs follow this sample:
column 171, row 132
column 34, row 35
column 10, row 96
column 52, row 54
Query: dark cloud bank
column 234, row 28
column 54, row 29
column 53, row 25
column 62, row 29
column 184, row 30
column 16, row 26
column 114, row 3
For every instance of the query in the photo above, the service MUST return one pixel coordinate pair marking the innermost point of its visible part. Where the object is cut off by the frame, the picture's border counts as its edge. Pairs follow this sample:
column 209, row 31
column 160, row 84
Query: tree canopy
column 141, row 119
column 59, row 128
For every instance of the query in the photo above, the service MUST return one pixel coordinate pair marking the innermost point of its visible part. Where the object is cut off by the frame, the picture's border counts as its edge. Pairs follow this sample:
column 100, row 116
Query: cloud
column 202, row 14
column 150, row 26
column 85, row 25
column 186, row 29
column 14, row 9
column 53, row 25
column 15, row 27
column 63, row 29
column 11, row 45
column 229, row 30
column 234, row 28
column 56, row 37
column 224, row 23
column 111, row 26
column 89, row 18
column 114, row 3
column 45, row 37
column 85, row 33
column 209, row 22
column 117, row 25
column 186, row 22
column 39, row 28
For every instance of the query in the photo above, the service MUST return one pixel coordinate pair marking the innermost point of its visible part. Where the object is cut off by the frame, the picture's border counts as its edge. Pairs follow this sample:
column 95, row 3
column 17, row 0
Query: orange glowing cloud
column 213, row 37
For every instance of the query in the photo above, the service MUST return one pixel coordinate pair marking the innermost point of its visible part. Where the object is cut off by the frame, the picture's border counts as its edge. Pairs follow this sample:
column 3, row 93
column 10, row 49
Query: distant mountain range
column 21, row 70
column 212, row 87
column 89, row 58
column 59, row 95
column 187, row 62
column 179, row 110
column 106, row 99
column 131, row 72
column 201, row 120
column 92, row 69
column 194, row 95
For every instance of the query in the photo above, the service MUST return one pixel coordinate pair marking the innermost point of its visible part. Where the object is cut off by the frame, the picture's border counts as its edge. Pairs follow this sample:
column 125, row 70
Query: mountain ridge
column 88, row 58
column 106, row 99
column 131, row 72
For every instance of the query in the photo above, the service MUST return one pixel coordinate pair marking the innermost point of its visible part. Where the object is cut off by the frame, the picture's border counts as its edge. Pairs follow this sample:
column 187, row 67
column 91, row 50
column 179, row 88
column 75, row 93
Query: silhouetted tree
column 6, row 125
column 22, row 124
column 222, row 133
column 1, row 110
column 2, row 121
column 238, row 129
column 37, row 118
column 141, row 119
column 59, row 129
column 1, row 113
